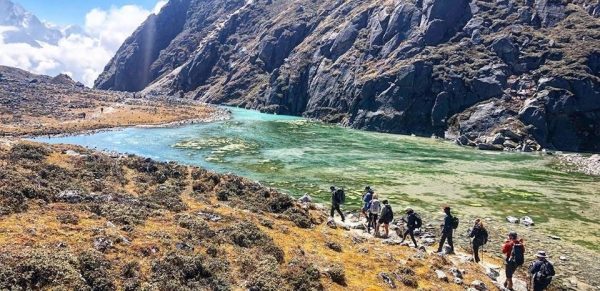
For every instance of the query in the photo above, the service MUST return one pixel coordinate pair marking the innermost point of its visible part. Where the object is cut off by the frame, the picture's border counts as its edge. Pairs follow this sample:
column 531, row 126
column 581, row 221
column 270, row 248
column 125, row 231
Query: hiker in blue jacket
column 366, row 198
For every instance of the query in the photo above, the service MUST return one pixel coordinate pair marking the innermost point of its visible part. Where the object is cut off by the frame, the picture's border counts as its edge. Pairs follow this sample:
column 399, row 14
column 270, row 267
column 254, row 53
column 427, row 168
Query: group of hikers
column 379, row 214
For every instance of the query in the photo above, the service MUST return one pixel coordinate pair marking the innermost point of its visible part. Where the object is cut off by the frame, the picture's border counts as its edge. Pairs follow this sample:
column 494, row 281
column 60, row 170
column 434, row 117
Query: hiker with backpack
column 366, row 198
column 374, row 209
column 514, row 249
column 479, row 236
column 413, row 221
column 386, row 217
column 450, row 224
column 338, row 198
column 541, row 272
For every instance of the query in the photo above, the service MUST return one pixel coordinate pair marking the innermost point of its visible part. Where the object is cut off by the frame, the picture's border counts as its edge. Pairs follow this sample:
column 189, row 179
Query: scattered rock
column 492, row 273
column 456, row 272
column 334, row 246
column 387, row 279
column 184, row 246
column 527, row 221
column 441, row 275
column 512, row 219
column 554, row 237
column 305, row 199
column 478, row 285
column 103, row 244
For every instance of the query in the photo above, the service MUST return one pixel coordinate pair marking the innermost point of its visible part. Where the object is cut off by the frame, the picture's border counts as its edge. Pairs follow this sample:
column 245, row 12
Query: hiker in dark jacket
column 447, row 229
column 541, row 272
column 336, row 202
column 386, row 217
column 411, row 225
column 479, row 236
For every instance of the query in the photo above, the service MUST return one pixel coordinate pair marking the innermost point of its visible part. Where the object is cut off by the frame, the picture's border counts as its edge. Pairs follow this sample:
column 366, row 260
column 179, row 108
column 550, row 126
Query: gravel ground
column 589, row 165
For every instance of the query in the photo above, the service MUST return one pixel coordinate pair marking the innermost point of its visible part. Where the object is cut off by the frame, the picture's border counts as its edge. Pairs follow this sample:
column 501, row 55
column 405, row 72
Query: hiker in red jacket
column 514, row 249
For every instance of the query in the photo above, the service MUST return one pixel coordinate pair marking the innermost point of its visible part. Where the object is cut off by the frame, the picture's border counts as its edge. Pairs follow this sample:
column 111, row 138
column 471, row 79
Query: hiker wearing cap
column 514, row 249
column 386, row 217
column 413, row 221
column 450, row 223
column 479, row 236
column 337, row 199
column 374, row 209
column 366, row 198
column 541, row 272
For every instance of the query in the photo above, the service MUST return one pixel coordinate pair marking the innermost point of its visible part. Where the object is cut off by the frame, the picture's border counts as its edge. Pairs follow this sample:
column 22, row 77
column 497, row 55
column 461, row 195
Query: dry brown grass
column 38, row 230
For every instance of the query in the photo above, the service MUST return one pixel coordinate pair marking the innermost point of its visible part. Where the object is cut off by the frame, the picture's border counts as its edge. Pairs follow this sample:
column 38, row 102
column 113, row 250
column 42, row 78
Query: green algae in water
column 299, row 156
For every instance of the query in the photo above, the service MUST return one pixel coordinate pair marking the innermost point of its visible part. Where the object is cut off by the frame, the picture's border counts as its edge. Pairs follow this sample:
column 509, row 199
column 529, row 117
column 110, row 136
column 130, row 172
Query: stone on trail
column 441, row 275
column 527, row 221
column 456, row 272
column 458, row 281
column 305, row 199
column 512, row 219
column 478, row 285
column 331, row 223
column 388, row 280
column 493, row 273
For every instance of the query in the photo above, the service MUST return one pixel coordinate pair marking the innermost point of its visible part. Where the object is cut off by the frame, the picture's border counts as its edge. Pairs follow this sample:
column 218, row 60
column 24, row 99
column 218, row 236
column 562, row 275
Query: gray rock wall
column 522, row 72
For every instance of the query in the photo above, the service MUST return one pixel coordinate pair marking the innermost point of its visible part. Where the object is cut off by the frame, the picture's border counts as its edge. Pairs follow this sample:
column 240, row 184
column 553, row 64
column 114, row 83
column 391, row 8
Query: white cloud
column 81, row 56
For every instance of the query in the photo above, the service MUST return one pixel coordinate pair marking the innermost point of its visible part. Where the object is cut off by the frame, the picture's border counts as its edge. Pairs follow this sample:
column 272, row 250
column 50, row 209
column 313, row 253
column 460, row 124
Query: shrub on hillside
column 178, row 271
column 29, row 151
column 94, row 268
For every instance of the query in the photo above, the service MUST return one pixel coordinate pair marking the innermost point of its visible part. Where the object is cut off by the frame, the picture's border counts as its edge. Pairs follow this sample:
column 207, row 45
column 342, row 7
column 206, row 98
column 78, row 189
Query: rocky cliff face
column 507, row 74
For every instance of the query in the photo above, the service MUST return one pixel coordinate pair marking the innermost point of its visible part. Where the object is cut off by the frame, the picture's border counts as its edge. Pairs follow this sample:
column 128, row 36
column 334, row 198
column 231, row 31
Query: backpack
column 340, row 196
column 418, row 221
column 517, row 255
column 546, row 272
column 455, row 222
column 484, row 236
column 387, row 214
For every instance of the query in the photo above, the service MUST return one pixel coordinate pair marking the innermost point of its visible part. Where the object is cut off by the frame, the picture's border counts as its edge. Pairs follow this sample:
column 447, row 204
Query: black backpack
column 484, row 236
column 387, row 214
column 340, row 196
column 418, row 221
column 455, row 222
column 517, row 255
column 546, row 272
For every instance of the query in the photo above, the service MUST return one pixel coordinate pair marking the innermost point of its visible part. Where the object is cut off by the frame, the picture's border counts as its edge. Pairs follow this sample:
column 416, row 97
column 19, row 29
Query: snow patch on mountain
column 28, row 43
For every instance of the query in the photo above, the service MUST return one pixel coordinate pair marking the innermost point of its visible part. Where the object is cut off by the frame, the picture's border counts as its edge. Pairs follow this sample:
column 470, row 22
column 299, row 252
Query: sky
column 106, row 24
column 67, row 12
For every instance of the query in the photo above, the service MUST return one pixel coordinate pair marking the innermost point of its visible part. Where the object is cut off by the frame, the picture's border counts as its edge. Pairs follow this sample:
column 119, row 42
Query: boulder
column 505, row 49
column 548, row 12
column 404, row 21
column 527, row 221
column 512, row 219
column 489, row 147
column 305, row 198
column 443, row 19
column 487, row 87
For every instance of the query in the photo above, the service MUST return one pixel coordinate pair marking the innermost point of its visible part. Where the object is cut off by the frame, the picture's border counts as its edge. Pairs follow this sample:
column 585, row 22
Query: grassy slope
column 47, row 241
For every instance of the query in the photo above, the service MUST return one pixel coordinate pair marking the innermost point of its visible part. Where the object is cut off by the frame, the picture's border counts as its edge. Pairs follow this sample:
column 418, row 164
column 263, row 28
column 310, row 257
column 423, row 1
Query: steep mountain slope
column 506, row 74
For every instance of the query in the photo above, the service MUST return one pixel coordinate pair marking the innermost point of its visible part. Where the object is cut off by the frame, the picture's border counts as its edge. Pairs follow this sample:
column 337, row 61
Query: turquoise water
column 300, row 156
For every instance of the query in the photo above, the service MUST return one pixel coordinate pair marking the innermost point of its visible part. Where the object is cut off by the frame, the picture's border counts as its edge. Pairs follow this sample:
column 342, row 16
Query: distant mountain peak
column 28, row 28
